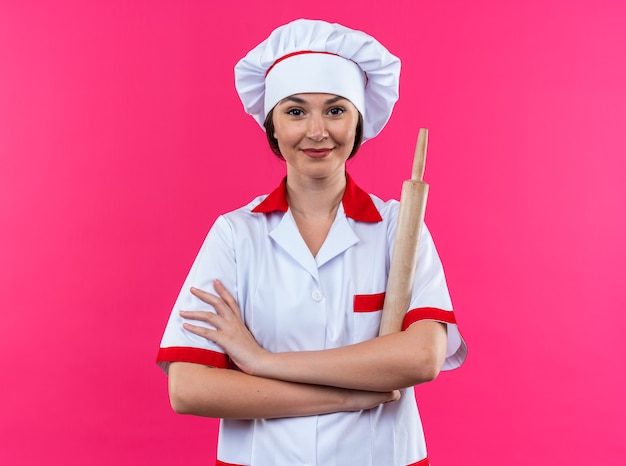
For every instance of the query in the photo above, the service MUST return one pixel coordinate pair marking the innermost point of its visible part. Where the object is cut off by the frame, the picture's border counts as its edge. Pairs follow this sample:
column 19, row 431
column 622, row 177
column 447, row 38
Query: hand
column 359, row 399
column 230, row 332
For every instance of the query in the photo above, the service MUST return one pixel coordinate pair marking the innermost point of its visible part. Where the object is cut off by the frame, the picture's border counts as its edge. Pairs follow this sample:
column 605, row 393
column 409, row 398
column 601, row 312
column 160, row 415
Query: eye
column 336, row 111
column 295, row 112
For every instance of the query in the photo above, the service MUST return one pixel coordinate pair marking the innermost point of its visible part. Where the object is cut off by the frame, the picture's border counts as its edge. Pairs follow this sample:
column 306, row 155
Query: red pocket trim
column 369, row 302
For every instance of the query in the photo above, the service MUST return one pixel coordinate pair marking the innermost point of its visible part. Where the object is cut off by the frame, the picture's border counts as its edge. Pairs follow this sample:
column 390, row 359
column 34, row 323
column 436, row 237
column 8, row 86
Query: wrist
column 262, row 364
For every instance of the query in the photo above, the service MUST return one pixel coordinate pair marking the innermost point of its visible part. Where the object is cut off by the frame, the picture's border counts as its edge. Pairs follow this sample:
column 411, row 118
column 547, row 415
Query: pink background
column 122, row 138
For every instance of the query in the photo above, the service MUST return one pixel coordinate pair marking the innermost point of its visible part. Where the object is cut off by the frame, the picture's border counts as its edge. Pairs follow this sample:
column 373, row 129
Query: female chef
column 275, row 329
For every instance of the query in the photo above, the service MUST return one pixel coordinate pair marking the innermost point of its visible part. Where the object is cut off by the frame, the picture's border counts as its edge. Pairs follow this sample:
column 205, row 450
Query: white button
column 317, row 296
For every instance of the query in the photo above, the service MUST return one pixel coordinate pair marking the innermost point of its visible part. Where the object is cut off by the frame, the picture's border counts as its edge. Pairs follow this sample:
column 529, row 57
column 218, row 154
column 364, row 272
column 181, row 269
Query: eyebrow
column 299, row 100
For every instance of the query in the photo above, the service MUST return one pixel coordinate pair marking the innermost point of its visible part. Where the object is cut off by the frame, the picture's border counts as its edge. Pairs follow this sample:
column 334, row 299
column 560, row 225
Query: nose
column 316, row 129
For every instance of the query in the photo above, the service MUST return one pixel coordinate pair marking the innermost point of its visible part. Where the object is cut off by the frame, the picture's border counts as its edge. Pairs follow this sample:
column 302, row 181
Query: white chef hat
column 316, row 56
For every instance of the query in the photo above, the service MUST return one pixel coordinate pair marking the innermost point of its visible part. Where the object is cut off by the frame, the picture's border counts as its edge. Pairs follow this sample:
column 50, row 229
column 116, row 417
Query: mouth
column 317, row 153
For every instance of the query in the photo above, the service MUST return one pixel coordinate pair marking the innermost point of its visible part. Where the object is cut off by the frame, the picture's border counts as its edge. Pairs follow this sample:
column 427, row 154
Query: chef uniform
column 293, row 301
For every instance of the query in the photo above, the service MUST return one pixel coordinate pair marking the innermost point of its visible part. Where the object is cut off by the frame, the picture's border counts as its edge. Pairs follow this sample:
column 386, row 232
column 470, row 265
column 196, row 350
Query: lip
column 317, row 153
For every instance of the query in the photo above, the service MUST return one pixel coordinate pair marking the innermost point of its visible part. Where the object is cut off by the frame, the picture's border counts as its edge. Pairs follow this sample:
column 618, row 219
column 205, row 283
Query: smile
column 317, row 153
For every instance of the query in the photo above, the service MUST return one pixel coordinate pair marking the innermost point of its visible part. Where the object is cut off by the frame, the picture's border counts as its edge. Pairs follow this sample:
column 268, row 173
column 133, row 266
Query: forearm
column 387, row 363
column 392, row 362
column 223, row 393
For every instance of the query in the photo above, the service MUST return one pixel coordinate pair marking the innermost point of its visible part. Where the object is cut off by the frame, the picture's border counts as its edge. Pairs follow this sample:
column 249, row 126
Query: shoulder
column 247, row 208
column 246, row 211
column 388, row 209
column 244, row 219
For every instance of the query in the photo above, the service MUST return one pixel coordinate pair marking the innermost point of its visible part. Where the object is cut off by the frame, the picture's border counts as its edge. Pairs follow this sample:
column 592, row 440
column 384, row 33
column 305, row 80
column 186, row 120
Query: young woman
column 275, row 329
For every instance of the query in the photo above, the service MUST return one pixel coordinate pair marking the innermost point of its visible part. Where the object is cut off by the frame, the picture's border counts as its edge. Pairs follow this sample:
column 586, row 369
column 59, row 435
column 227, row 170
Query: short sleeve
column 216, row 260
column 431, row 300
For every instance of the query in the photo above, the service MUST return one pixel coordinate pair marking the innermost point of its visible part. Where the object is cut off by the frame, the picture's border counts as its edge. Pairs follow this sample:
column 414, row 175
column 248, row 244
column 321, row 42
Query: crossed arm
column 349, row 378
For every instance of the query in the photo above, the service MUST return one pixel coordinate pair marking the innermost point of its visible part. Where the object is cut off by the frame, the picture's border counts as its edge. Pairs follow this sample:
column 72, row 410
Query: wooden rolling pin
column 404, row 256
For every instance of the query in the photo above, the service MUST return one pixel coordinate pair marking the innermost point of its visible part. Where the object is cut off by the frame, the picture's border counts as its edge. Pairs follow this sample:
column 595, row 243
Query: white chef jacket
column 292, row 301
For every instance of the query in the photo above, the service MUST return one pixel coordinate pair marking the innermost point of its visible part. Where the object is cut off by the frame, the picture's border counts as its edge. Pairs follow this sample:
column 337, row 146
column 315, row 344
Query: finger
column 204, row 295
column 224, row 294
column 227, row 297
column 204, row 332
column 202, row 316
column 215, row 301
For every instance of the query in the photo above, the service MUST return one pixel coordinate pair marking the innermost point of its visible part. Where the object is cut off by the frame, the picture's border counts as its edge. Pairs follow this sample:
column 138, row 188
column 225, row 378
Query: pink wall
column 121, row 139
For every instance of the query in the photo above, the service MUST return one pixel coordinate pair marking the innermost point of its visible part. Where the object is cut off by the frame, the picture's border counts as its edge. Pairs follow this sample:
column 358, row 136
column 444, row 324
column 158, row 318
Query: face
column 315, row 133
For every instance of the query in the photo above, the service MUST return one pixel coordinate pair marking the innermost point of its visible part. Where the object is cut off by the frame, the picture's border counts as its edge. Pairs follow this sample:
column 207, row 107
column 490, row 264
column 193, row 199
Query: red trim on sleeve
column 357, row 204
column 196, row 355
column 369, row 302
column 427, row 313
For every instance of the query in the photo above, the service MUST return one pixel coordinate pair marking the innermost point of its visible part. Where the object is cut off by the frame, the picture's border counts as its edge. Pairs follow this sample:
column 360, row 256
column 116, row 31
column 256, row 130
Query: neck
column 317, row 197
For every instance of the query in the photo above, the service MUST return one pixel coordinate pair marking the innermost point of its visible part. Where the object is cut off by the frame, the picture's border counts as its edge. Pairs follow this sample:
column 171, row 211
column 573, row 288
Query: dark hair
column 273, row 142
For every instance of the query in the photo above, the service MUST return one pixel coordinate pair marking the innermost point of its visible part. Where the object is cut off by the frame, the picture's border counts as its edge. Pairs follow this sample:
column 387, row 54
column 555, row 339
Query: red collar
column 357, row 204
